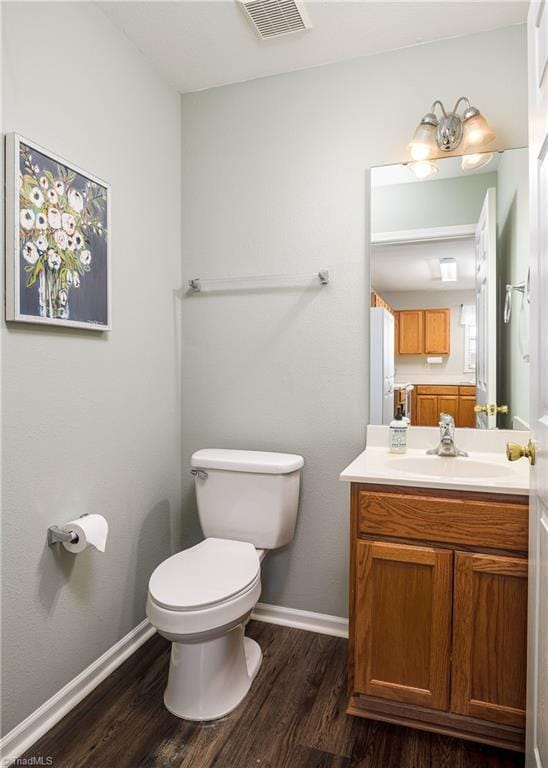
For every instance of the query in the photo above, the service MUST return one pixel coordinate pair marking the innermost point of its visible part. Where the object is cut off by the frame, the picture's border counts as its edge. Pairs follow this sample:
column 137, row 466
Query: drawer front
column 488, row 524
column 423, row 389
column 467, row 391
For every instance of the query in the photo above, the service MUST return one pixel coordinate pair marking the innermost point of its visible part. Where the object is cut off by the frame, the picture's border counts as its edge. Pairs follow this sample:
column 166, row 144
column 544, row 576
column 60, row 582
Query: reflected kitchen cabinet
column 410, row 329
column 423, row 331
column 437, row 331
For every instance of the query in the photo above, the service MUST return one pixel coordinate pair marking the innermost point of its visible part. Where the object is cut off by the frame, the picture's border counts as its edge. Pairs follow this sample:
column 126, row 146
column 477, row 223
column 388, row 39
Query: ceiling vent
column 274, row 18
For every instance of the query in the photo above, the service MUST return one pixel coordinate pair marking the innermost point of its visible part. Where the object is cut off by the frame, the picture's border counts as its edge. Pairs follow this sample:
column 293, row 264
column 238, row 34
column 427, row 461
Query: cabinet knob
column 515, row 451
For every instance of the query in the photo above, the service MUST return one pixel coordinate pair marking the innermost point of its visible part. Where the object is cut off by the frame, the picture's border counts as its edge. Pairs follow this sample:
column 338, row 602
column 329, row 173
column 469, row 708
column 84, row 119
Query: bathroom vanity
column 438, row 587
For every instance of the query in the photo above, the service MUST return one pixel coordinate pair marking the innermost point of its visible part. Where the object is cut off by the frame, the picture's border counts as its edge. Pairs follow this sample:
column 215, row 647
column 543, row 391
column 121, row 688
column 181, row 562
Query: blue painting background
column 89, row 302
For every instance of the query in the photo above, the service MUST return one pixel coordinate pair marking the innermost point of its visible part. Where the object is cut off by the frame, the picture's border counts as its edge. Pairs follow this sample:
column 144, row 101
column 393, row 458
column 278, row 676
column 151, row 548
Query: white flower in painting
column 36, row 169
column 68, row 278
column 54, row 218
column 59, row 187
column 61, row 238
column 52, row 196
column 54, row 260
column 41, row 221
column 69, row 223
column 76, row 279
column 42, row 243
column 26, row 217
column 36, row 197
column 30, row 252
column 44, row 182
column 78, row 240
column 62, row 297
column 75, row 200
column 85, row 258
column 71, row 244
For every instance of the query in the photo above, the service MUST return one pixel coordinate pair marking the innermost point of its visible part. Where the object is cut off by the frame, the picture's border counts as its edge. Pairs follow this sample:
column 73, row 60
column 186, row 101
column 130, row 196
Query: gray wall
column 91, row 421
column 431, row 203
column 513, row 263
column 275, row 180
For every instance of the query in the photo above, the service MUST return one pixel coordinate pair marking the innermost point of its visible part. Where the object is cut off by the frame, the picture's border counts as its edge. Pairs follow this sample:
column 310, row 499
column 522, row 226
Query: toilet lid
column 209, row 573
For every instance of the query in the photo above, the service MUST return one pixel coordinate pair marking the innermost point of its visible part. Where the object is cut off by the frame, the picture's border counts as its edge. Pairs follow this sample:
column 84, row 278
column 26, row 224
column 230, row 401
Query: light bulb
column 424, row 168
column 475, row 161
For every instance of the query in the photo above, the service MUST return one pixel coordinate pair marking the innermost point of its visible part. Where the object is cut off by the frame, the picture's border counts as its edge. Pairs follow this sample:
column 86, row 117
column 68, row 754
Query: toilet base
column 208, row 679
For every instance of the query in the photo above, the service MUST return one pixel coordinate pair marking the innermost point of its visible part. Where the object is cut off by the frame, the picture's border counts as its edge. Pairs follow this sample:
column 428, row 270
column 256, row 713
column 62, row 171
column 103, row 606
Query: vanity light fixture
column 475, row 161
column 448, row 268
column 449, row 130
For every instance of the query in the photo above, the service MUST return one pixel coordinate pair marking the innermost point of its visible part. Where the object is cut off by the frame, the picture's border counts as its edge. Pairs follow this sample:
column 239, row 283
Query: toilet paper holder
column 56, row 535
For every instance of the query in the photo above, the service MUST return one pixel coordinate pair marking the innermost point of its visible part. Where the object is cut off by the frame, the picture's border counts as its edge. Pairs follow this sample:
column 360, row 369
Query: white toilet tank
column 248, row 495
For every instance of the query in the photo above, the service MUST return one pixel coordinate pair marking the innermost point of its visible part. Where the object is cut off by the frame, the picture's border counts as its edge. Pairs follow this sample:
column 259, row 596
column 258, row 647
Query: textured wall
column 275, row 180
column 90, row 421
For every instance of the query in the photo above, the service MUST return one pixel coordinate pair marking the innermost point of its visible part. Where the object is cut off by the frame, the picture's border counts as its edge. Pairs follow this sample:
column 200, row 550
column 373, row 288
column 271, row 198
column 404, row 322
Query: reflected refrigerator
column 381, row 366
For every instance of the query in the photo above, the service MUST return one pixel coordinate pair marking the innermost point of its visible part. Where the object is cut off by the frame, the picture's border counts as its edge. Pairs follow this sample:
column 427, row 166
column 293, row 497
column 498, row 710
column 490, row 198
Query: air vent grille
column 274, row 18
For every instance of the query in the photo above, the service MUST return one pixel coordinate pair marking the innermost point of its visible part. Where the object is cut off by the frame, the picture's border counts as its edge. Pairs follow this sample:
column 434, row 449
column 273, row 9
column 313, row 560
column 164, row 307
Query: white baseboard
column 291, row 617
column 45, row 717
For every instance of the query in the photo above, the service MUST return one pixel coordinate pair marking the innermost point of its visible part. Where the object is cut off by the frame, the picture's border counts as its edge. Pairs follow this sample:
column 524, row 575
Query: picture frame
column 58, row 240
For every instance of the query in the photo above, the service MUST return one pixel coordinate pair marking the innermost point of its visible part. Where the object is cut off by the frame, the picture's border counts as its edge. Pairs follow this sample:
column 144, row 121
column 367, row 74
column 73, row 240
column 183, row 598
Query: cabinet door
column 489, row 637
column 426, row 411
column 448, row 404
column 410, row 332
column 466, row 416
column 437, row 331
column 402, row 623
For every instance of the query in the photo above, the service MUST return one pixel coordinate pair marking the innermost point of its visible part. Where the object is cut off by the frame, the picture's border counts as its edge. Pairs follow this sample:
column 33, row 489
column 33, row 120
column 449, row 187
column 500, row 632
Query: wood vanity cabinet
column 438, row 601
column 431, row 400
column 423, row 331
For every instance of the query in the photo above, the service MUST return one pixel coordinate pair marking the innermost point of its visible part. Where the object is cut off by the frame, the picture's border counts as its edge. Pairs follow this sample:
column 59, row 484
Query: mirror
column 449, row 291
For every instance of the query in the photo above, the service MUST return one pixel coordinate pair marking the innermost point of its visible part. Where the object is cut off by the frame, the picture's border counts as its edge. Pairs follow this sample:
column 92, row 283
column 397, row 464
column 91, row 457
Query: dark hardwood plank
column 293, row 717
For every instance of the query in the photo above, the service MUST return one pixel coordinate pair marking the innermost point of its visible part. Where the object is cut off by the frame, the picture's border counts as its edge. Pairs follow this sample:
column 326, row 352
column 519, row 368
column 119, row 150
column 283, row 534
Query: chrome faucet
column 447, row 445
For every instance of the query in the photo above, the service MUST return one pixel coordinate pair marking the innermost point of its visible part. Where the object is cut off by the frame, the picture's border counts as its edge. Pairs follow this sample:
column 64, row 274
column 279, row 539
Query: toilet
column 201, row 598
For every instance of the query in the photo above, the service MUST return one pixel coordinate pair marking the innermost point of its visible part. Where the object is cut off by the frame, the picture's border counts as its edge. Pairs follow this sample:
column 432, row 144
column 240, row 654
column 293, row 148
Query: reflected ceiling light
column 424, row 168
column 448, row 269
column 449, row 130
column 475, row 161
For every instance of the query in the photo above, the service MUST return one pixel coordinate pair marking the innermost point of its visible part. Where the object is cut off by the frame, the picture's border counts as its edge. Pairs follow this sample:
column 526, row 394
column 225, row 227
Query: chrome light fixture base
column 448, row 131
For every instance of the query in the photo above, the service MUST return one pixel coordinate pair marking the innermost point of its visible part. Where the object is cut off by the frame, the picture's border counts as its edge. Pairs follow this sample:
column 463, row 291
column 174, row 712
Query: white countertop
column 486, row 470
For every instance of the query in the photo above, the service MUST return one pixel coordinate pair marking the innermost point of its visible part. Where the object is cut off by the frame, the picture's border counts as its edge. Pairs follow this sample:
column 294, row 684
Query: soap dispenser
column 398, row 432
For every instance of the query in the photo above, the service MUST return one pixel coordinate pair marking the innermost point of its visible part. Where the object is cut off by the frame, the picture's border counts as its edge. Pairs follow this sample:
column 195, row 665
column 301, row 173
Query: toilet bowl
column 201, row 598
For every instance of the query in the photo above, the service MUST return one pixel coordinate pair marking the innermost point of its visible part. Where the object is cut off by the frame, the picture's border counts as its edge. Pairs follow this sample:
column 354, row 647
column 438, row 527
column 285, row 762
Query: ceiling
column 416, row 266
column 197, row 44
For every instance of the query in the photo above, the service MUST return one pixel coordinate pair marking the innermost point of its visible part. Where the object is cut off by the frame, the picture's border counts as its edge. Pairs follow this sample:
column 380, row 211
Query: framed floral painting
column 57, row 240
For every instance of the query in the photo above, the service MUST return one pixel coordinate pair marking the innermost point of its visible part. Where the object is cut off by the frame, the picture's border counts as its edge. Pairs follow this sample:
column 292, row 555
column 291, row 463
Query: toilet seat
column 204, row 576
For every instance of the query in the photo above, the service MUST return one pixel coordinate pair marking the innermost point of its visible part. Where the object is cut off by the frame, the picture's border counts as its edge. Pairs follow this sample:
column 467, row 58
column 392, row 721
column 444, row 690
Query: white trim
column 519, row 423
column 45, row 717
column 422, row 235
column 337, row 626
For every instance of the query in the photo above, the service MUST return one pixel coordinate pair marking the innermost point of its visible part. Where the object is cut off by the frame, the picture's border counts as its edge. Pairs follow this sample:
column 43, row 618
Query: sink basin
column 459, row 468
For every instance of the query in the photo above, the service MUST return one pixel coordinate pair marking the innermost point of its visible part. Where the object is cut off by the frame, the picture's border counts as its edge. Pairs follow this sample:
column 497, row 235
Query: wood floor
column 293, row 717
